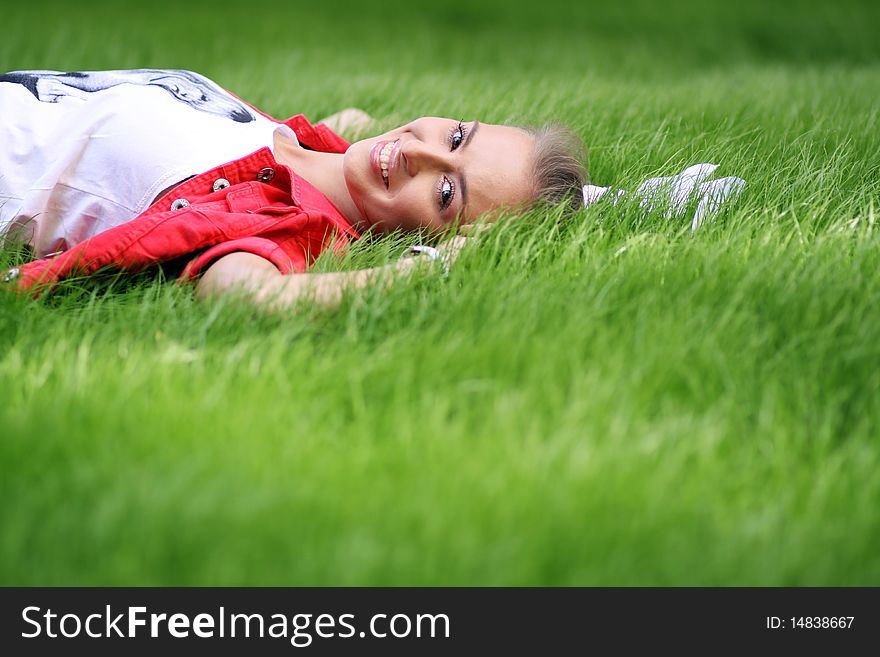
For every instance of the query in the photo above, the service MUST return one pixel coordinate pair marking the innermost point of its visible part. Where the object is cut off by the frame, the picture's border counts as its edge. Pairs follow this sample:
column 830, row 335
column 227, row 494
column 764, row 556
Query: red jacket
column 253, row 204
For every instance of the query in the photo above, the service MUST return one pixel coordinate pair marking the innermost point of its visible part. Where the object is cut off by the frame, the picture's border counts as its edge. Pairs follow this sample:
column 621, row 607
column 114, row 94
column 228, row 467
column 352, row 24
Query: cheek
column 406, row 209
column 411, row 208
column 397, row 213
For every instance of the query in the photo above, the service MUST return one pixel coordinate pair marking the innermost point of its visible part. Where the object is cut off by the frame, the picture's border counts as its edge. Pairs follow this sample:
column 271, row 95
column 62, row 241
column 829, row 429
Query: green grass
column 613, row 401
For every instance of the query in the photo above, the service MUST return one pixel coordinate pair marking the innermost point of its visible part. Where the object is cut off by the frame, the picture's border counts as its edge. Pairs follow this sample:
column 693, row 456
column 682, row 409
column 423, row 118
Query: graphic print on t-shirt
column 187, row 87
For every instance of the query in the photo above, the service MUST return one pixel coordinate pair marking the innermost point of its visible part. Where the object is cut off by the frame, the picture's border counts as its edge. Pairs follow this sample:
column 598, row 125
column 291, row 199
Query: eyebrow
column 467, row 140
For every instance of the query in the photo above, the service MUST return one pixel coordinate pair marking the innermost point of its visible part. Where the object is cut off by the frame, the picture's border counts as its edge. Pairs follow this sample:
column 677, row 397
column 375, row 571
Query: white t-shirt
column 83, row 152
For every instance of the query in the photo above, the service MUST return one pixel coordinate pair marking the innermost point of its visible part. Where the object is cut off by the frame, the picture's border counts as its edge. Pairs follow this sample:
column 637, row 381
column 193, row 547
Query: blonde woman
column 129, row 169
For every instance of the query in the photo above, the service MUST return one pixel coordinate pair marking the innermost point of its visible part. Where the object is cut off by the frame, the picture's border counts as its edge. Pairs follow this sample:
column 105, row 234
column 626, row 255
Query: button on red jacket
column 266, row 209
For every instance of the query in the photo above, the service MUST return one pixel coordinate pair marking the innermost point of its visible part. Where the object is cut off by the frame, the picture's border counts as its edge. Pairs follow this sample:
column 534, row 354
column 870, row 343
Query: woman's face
column 431, row 171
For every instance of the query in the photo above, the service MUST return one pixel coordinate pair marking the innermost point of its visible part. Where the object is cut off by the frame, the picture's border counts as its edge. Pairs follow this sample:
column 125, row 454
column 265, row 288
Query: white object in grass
column 674, row 193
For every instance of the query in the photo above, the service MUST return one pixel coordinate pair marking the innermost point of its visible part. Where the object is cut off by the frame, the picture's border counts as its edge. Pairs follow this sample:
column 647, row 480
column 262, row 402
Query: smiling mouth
column 384, row 156
column 385, row 161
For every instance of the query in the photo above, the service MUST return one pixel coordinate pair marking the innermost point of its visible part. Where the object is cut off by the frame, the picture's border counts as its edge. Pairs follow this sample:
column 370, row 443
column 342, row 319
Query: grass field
column 609, row 402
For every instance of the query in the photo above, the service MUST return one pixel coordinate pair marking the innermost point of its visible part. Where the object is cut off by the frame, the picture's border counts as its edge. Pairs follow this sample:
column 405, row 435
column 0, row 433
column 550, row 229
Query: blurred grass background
column 613, row 401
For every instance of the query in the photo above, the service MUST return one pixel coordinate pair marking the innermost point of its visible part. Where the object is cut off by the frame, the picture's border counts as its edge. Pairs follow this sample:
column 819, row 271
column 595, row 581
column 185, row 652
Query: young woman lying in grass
column 128, row 169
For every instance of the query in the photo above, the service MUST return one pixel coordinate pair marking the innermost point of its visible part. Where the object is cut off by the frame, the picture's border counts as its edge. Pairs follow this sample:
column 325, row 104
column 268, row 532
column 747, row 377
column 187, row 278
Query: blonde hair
column 559, row 168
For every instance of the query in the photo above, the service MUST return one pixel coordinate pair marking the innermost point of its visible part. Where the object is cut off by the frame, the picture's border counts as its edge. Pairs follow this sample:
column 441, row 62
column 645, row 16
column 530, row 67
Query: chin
column 379, row 225
column 366, row 221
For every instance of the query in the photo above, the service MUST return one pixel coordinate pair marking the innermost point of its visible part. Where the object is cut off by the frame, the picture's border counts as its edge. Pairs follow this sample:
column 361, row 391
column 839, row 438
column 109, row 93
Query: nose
column 421, row 156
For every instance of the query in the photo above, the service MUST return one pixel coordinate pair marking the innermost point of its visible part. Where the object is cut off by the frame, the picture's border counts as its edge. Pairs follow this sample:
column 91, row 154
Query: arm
column 259, row 281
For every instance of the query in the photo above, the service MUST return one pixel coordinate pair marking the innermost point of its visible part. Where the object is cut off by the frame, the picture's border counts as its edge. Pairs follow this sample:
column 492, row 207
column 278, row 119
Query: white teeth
column 384, row 159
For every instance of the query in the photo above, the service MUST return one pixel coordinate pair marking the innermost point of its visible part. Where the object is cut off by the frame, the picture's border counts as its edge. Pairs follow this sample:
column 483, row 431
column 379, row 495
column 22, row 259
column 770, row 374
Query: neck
column 323, row 171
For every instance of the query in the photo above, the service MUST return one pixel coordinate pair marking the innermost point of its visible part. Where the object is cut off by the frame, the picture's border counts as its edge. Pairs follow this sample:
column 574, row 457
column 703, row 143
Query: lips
column 390, row 149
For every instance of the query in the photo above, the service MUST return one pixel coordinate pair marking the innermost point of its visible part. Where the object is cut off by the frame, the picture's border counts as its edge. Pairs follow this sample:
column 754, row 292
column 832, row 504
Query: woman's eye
column 458, row 135
column 446, row 192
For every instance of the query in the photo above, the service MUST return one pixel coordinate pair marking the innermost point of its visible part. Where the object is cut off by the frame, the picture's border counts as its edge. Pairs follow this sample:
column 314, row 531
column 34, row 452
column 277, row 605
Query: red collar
column 318, row 137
